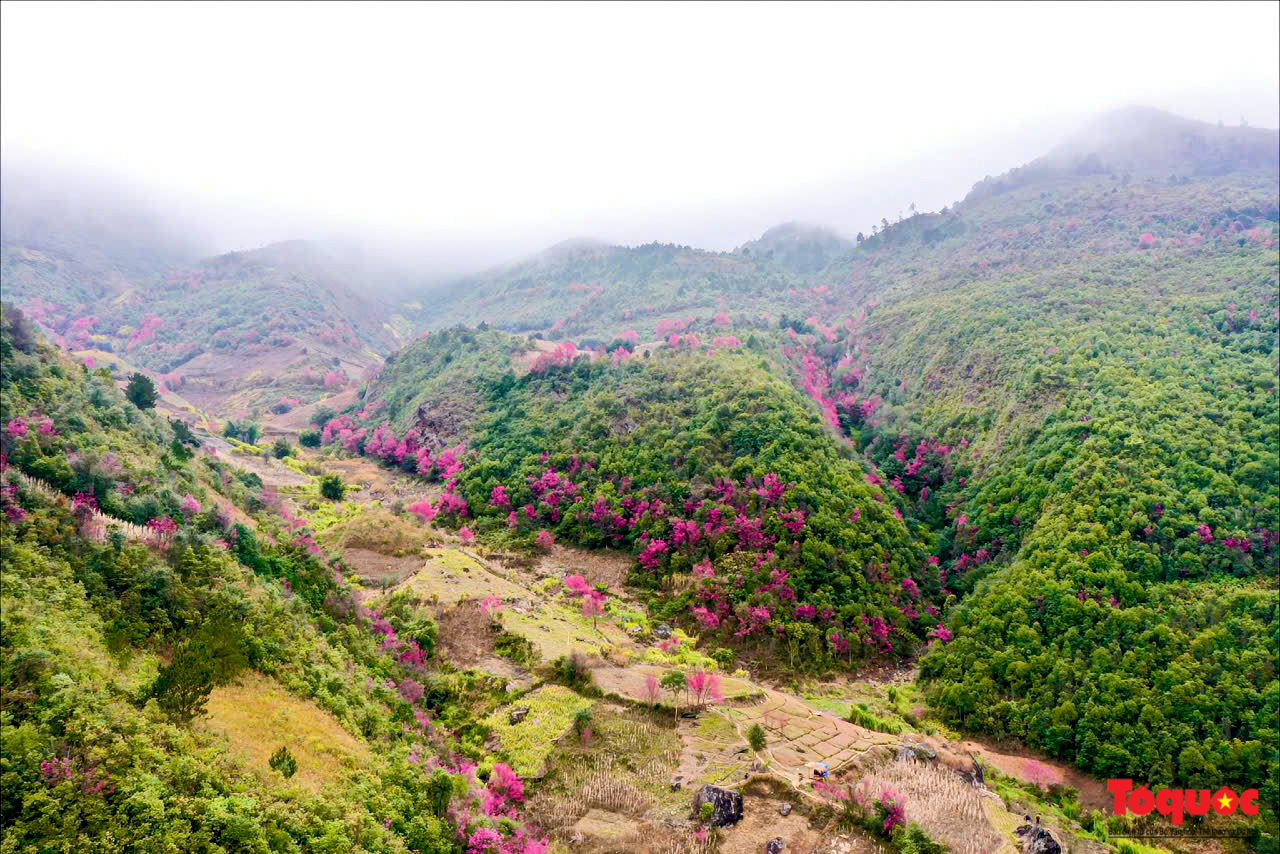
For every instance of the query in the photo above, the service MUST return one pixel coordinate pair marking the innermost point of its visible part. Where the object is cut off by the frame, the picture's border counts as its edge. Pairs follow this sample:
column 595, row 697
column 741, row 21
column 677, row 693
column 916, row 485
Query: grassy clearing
column 376, row 530
column 529, row 743
column 449, row 577
column 715, row 727
column 557, row 629
column 257, row 716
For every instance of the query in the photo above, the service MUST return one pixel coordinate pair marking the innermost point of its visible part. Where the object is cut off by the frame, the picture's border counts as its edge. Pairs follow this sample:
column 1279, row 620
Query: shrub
column 282, row 448
column 309, row 439
column 581, row 721
column 282, row 760
column 572, row 670
column 756, row 737
column 183, row 686
column 332, row 487
column 141, row 391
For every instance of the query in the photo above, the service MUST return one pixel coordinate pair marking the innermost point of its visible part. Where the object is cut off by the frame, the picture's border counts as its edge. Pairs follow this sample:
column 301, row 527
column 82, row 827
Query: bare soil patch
column 369, row 481
column 605, row 566
column 379, row 570
column 762, row 821
column 466, row 634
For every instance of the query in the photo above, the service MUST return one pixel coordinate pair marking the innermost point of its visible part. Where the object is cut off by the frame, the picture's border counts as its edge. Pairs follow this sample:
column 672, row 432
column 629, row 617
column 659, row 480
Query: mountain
column 239, row 332
column 590, row 288
column 986, row 502
column 796, row 247
column 74, row 241
column 1141, row 142
column 1065, row 386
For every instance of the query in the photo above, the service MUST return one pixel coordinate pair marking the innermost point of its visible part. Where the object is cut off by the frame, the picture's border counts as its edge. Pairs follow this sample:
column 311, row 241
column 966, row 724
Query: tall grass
column 944, row 805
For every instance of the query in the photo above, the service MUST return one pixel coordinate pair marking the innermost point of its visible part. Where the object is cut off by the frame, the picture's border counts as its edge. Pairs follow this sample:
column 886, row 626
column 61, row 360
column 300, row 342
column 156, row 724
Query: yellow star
column 1225, row 801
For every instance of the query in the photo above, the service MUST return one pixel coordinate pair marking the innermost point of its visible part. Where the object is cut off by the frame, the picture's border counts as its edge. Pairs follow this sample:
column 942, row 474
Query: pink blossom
column 162, row 525
column 577, row 585
column 704, row 687
column 652, row 554
column 189, row 506
column 545, row 539
column 466, row 534
column 652, row 689
column 423, row 510
column 593, row 604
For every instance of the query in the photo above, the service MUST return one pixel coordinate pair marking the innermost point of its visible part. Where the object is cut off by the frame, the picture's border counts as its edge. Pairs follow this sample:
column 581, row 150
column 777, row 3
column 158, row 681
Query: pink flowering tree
column 704, row 688
column 593, row 605
column 652, row 690
column 1038, row 774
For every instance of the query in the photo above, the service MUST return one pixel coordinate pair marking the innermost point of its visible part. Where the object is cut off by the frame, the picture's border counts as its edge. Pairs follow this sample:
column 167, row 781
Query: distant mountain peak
column 1145, row 142
column 797, row 247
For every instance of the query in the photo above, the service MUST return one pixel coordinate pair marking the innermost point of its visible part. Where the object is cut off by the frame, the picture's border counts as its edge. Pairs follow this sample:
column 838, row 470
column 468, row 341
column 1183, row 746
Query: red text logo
column 1178, row 802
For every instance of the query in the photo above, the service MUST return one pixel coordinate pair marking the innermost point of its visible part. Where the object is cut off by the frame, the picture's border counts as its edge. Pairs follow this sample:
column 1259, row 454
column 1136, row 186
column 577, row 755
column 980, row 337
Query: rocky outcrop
column 726, row 803
column 1035, row 839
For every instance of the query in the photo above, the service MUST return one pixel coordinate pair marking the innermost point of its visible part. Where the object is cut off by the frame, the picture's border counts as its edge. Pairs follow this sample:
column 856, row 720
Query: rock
column 1035, row 839
column 727, row 805
column 775, row 846
column 662, row 631
column 635, row 630
column 784, row 810
column 518, row 714
column 675, row 785
column 912, row 750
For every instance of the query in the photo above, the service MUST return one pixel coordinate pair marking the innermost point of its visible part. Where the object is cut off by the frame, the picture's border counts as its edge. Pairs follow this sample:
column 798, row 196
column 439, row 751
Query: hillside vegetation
column 123, row 657
column 1066, row 389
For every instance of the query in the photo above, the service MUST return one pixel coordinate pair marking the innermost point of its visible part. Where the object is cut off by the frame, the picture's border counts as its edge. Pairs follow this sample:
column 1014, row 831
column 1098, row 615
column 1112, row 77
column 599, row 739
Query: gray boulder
column 726, row 803
column 518, row 714
column 662, row 631
column 775, row 846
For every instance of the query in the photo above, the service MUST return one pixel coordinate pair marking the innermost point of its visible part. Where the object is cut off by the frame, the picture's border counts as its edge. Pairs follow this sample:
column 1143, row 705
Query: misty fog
column 428, row 141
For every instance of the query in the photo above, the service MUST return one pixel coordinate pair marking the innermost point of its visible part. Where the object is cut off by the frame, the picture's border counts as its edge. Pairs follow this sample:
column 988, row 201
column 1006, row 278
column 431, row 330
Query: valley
column 969, row 515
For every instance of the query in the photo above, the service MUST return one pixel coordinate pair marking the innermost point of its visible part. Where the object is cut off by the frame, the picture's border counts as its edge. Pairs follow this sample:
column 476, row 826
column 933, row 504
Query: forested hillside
column 1064, row 388
column 131, row 651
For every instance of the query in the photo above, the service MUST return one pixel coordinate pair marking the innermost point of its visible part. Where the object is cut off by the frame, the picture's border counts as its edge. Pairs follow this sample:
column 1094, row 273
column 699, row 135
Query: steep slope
column 1107, row 350
column 162, row 694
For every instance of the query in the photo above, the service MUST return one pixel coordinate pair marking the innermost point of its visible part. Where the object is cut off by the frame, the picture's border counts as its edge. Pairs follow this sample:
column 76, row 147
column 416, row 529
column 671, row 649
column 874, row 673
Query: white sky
column 524, row 124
